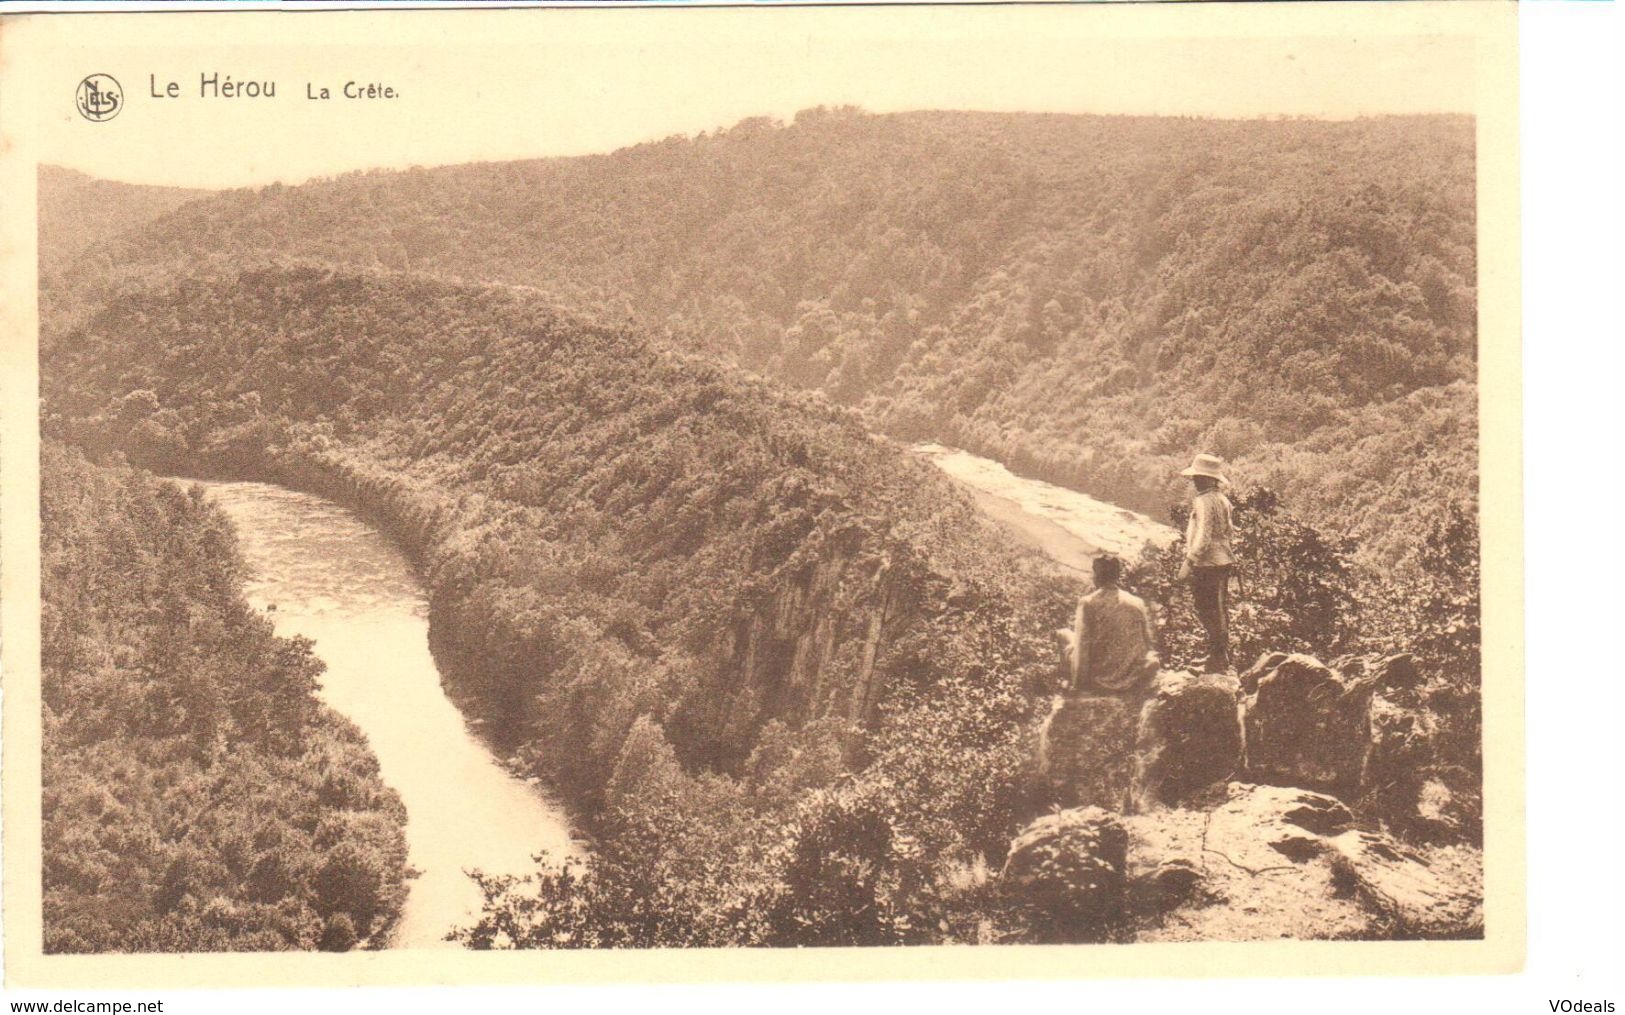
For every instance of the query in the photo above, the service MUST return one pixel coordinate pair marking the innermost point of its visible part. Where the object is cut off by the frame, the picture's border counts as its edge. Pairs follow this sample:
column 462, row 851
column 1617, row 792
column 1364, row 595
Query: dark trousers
column 1210, row 589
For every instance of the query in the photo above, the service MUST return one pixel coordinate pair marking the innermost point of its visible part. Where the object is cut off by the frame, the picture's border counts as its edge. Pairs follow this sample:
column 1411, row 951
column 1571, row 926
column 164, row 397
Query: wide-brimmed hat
column 1206, row 465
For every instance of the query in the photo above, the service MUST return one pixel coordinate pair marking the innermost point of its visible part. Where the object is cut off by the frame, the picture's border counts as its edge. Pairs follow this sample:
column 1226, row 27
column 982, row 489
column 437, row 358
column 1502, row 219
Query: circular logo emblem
column 100, row 97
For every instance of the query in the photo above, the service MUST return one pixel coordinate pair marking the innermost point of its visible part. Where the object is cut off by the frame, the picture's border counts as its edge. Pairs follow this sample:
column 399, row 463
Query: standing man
column 1208, row 558
column 1113, row 643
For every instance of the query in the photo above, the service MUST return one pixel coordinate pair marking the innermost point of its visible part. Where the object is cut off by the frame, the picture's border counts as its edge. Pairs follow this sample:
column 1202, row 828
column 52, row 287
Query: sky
column 563, row 82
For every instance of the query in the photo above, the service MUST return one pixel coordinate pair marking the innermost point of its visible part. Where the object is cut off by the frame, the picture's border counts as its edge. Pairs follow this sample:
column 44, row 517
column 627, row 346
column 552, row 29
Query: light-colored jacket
column 1208, row 533
column 1113, row 641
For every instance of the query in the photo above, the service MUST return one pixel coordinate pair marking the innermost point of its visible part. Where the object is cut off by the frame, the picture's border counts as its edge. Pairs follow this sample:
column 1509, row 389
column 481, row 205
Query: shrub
column 338, row 933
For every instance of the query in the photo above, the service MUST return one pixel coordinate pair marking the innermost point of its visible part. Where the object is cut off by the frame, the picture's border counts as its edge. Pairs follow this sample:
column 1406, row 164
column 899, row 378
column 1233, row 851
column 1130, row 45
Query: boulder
column 1166, row 866
column 1190, row 737
column 1086, row 752
column 1166, row 884
column 1308, row 726
column 1266, row 662
column 1175, row 879
column 1398, row 672
column 1066, row 870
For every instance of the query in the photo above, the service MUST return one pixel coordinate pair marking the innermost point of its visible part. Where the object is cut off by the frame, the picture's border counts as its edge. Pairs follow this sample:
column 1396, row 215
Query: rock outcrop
column 1404, row 783
column 1263, row 862
column 1291, row 852
column 1392, row 783
column 1307, row 725
column 1086, row 752
column 1266, row 664
column 1066, row 871
column 1437, row 897
column 1190, row 737
column 1265, row 828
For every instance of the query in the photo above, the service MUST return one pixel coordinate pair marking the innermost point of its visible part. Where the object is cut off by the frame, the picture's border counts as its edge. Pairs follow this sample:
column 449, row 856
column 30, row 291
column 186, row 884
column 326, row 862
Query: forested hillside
column 787, row 671
column 197, row 795
column 1087, row 299
column 79, row 213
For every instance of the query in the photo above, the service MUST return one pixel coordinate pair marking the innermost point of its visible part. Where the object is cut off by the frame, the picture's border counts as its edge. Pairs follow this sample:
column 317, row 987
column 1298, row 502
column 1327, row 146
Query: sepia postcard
column 674, row 493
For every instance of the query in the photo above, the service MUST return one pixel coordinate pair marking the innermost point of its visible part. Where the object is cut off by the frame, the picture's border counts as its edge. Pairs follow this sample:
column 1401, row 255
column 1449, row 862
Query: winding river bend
column 326, row 575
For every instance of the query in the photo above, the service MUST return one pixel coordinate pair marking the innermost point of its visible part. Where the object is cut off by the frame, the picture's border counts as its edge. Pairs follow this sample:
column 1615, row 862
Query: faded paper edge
column 26, row 43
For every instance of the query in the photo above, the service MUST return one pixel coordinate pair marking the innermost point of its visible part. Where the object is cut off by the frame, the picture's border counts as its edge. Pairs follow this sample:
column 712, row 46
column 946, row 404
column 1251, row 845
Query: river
column 1071, row 527
column 326, row 575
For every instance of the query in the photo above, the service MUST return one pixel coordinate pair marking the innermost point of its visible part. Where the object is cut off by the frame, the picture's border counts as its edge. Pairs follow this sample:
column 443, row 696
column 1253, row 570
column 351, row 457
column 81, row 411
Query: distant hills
column 1087, row 299
column 78, row 212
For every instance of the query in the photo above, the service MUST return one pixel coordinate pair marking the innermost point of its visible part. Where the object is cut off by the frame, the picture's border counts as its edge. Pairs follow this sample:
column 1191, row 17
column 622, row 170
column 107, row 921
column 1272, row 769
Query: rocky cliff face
column 808, row 647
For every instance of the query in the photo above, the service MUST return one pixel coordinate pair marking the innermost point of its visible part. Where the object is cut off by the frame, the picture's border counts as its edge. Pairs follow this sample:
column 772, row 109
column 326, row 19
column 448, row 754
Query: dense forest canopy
column 197, row 795
column 1088, row 299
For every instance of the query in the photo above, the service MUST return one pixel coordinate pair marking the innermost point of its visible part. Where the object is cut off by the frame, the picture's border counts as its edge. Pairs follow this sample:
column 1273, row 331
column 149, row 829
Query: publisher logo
column 100, row 97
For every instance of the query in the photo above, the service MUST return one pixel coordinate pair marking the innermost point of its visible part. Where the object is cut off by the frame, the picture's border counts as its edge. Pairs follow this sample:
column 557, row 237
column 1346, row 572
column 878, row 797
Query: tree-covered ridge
column 197, row 795
column 78, row 214
column 1084, row 298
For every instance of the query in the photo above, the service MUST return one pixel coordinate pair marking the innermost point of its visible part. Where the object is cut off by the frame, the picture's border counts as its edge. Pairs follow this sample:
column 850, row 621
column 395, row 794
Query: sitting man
column 1085, row 746
column 1112, row 645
